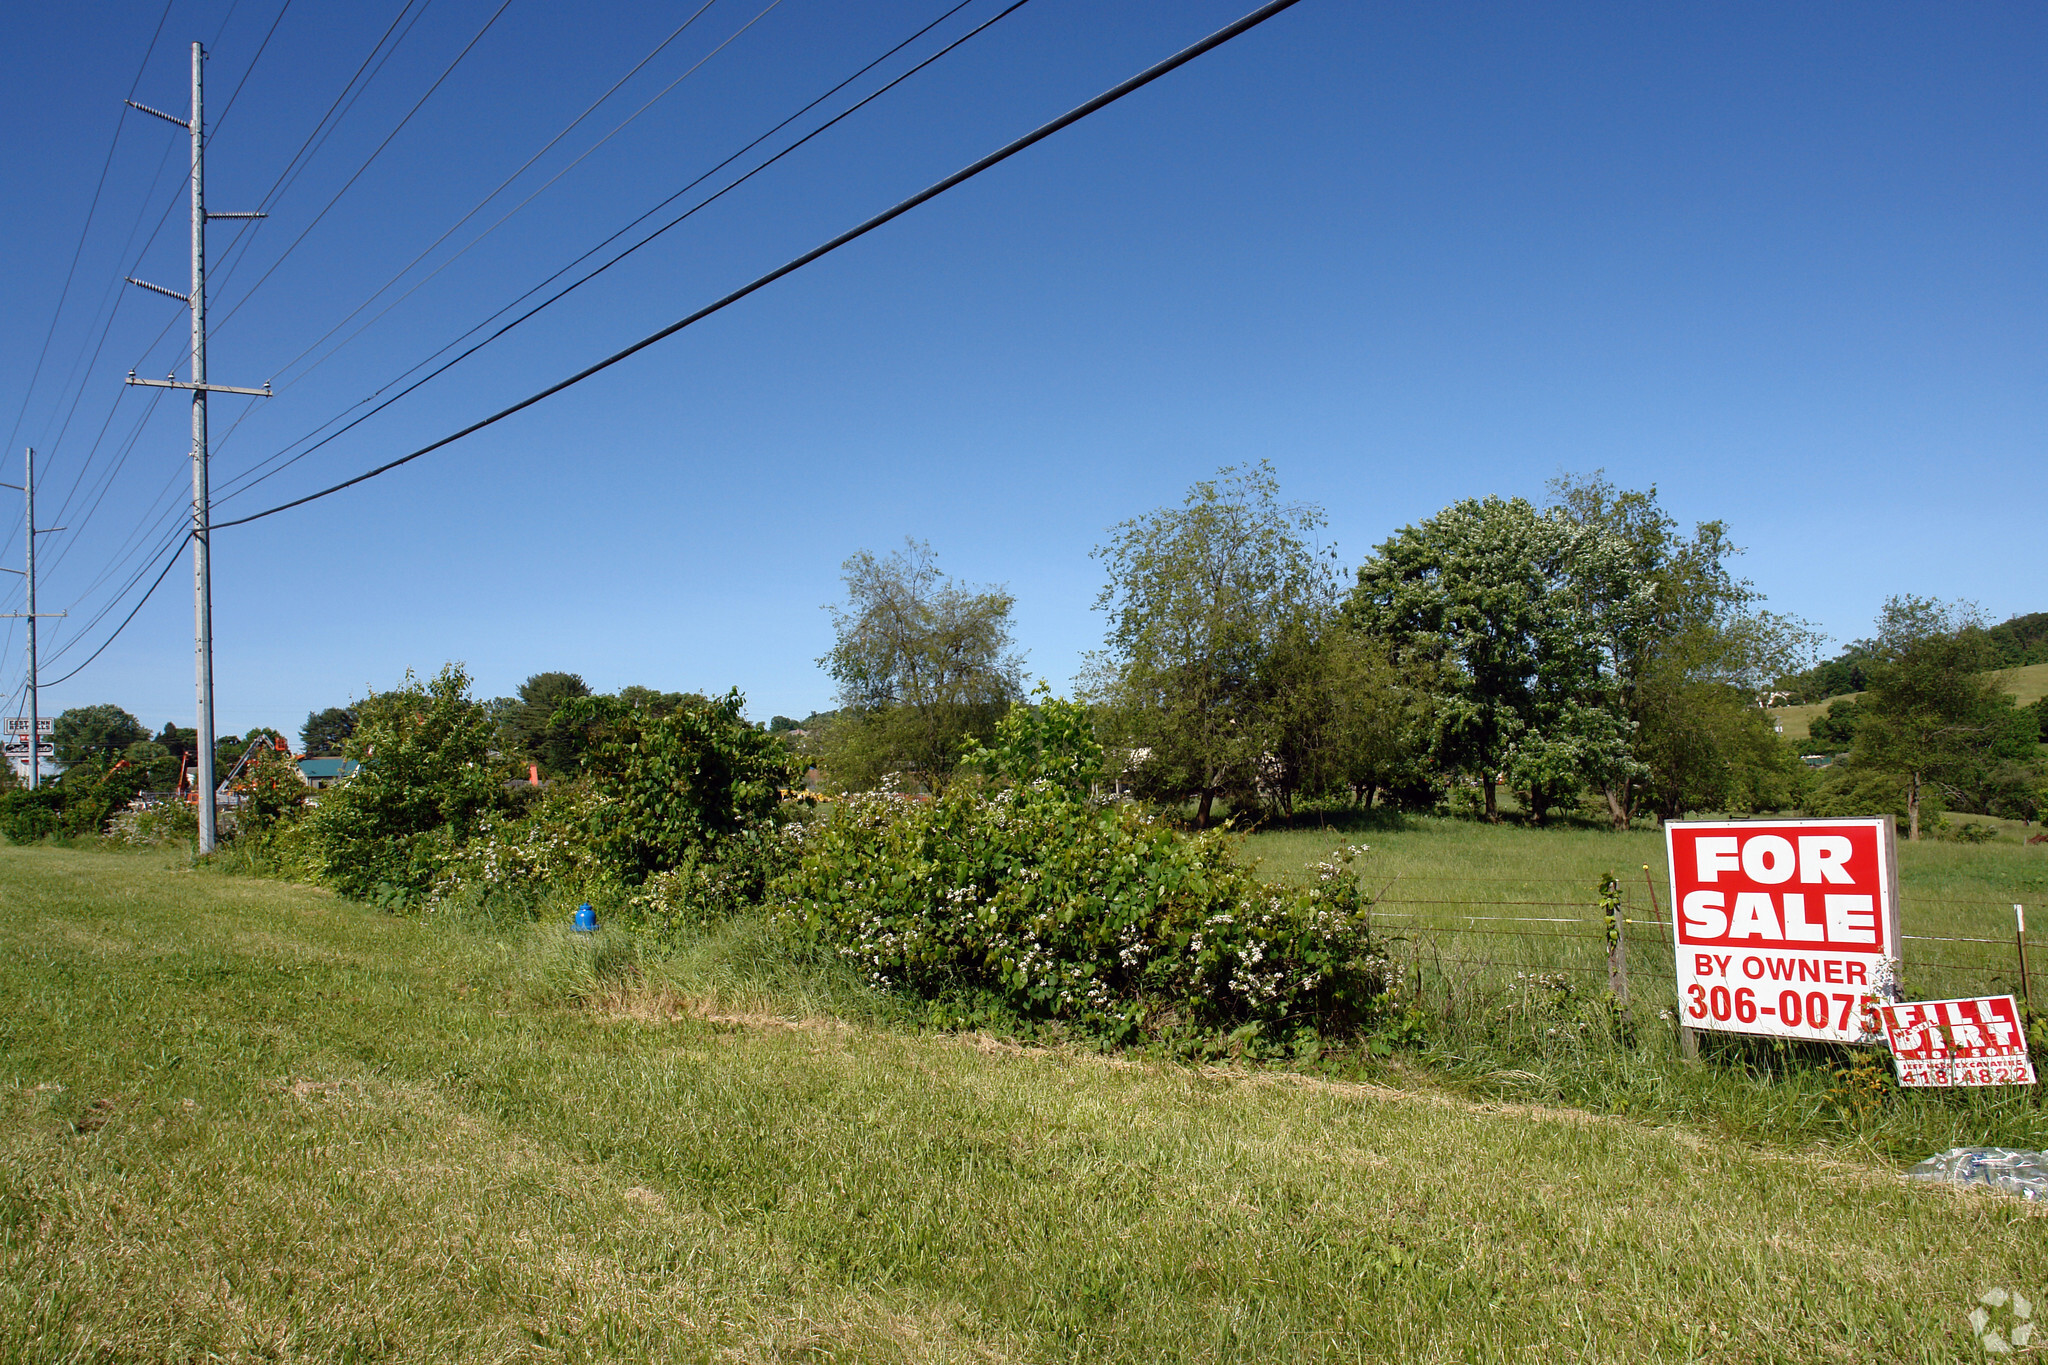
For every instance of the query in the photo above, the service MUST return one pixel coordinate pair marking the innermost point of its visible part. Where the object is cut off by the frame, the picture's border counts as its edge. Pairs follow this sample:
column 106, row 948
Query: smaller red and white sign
column 1958, row 1042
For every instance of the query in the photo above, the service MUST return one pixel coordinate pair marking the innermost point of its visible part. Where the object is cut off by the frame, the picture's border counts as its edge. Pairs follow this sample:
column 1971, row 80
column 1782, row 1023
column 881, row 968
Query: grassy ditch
column 250, row 1121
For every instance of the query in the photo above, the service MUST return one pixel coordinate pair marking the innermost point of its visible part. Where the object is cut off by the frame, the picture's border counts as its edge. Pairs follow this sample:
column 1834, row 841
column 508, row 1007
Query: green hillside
column 2027, row 684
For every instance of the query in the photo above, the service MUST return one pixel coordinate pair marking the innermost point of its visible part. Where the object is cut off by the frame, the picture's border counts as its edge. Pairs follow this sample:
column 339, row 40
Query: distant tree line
column 1587, row 654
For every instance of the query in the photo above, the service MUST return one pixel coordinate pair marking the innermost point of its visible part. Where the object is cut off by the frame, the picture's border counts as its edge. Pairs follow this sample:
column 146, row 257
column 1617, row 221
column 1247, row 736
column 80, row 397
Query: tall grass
column 244, row 1120
column 1504, row 941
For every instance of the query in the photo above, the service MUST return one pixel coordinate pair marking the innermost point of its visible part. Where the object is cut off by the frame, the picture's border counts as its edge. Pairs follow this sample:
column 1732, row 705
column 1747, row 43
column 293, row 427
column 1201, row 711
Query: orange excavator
column 256, row 746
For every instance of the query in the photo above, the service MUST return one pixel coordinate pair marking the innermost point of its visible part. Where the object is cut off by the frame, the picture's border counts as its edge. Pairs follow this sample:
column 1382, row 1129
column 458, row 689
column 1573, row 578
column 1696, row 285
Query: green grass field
column 1473, row 894
column 2027, row 685
column 246, row 1121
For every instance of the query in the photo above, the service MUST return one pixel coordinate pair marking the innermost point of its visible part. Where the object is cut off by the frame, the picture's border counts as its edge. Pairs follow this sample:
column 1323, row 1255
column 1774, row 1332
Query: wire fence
column 1505, row 929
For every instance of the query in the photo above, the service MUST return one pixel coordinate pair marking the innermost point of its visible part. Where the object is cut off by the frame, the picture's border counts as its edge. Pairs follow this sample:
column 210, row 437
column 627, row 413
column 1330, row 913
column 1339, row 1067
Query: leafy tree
column 656, row 703
column 925, row 667
column 2014, row 789
column 2020, row 641
column 181, row 740
column 1676, row 633
column 1491, row 594
column 157, row 765
column 1347, row 719
column 1834, row 731
column 675, row 785
column 1048, row 739
column 1201, row 598
column 87, row 732
column 1857, row 789
column 427, row 776
column 536, row 726
column 1849, row 672
column 1717, row 750
column 781, row 724
column 327, row 732
column 1931, row 718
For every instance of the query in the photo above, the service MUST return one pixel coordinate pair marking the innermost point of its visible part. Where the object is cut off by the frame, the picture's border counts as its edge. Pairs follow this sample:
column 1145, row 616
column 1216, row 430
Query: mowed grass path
column 243, row 1120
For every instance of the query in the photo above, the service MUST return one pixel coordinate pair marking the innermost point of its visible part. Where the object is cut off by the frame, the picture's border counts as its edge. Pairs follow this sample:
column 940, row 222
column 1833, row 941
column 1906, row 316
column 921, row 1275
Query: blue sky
column 1785, row 263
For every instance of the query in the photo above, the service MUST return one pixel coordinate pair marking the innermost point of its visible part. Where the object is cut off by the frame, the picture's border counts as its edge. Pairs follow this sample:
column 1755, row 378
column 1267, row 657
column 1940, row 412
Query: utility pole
column 35, row 718
column 202, row 507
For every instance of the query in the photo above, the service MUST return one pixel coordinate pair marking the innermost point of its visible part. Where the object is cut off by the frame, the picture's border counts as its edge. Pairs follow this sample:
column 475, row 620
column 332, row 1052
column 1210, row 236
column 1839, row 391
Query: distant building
column 320, row 773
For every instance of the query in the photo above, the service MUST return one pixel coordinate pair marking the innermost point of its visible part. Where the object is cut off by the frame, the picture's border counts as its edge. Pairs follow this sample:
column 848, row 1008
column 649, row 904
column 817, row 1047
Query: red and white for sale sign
column 1781, row 927
column 1958, row 1042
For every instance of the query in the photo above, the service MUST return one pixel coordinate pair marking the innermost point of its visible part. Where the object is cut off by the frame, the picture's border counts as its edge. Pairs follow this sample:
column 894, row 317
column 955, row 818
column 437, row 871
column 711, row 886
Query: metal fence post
column 2019, row 938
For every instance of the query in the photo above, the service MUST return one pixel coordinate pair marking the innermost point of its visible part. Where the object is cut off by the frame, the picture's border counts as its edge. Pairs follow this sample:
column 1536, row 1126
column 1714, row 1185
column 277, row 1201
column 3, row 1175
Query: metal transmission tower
column 35, row 716
column 202, row 510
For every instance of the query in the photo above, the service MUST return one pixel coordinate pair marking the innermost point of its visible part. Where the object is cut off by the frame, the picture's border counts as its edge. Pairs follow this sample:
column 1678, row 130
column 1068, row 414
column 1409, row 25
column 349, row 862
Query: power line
column 1039, row 134
column 120, row 122
column 132, row 87
column 659, row 48
column 966, row 173
column 236, row 93
column 243, row 482
column 107, row 481
column 315, row 139
column 369, row 160
column 337, row 110
column 162, row 508
column 305, row 149
column 169, row 564
column 169, row 546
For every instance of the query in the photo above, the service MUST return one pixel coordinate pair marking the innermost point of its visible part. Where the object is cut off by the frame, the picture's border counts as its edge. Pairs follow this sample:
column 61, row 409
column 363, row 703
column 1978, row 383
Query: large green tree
column 1932, row 717
column 1346, row 717
column 86, row 732
column 1204, row 600
column 1680, row 644
column 540, row 730
column 1492, row 594
column 925, row 667
column 327, row 732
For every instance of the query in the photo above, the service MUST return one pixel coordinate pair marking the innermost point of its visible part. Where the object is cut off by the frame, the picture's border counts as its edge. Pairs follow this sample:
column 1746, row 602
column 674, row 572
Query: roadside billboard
column 1784, row 928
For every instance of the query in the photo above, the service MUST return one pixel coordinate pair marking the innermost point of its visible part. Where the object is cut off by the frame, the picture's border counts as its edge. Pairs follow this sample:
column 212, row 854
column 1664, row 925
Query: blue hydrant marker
column 585, row 921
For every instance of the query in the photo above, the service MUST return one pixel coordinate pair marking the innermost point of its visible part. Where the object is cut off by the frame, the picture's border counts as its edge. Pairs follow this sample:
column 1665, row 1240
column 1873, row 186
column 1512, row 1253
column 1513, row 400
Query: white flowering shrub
column 714, row 881
column 515, row 853
column 1103, row 917
column 154, row 826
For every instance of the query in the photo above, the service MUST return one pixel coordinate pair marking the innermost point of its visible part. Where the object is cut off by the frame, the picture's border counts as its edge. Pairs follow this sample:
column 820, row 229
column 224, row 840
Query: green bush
column 27, row 817
column 95, row 788
column 427, row 780
column 715, row 882
column 671, row 787
column 1049, row 738
column 673, row 821
column 1105, row 918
